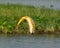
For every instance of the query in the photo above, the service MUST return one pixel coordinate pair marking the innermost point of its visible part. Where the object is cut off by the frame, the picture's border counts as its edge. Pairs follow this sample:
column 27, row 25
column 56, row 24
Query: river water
column 30, row 41
column 55, row 4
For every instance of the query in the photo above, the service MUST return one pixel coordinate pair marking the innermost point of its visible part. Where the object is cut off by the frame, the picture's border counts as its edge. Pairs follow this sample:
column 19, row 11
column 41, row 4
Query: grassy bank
column 46, row 20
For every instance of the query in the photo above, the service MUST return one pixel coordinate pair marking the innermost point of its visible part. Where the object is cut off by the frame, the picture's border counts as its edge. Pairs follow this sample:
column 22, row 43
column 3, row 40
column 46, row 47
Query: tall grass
column 46, row 20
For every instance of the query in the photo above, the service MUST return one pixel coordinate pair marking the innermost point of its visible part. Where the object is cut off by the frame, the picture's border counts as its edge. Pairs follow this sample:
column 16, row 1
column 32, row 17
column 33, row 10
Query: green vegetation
column 46, row 20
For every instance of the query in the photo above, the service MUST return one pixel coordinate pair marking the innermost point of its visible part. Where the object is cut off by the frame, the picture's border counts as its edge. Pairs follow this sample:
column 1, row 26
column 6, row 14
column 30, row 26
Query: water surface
column 46, row 3
column 29, row 41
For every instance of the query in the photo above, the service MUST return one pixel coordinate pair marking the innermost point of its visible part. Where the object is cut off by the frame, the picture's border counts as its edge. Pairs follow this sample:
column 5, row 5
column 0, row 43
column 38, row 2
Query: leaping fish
column 30, row 22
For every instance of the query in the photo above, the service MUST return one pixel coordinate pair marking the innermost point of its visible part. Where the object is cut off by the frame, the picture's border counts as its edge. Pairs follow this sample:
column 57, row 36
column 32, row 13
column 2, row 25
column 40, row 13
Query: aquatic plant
column 46, row 20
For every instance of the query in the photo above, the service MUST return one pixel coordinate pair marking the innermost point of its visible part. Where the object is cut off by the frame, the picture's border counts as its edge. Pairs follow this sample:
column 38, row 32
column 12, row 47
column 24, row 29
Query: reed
column 46, row 20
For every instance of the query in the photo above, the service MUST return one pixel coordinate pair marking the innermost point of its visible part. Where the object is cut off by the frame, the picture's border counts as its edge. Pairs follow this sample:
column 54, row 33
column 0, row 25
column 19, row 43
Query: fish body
column 30, row 23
